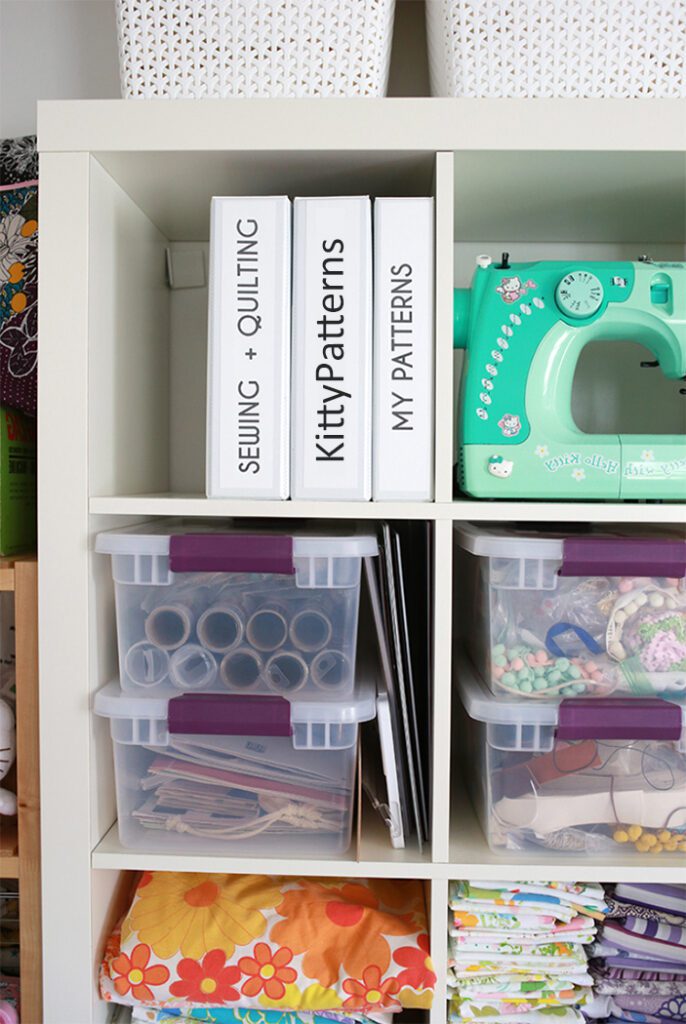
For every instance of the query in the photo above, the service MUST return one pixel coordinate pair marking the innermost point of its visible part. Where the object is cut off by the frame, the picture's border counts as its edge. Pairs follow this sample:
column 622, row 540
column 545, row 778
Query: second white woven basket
column 221, row 48
column 557, row 48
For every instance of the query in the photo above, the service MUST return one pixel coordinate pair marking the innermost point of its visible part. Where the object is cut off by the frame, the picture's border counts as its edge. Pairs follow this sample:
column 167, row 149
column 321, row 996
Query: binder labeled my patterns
column 248, row 406
column 332, row 348
column 403, row 350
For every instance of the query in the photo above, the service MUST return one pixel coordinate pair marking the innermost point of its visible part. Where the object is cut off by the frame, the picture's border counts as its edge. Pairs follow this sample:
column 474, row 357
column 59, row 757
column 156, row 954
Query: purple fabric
column 231, row 552
column 639, row 965
column 623, row 556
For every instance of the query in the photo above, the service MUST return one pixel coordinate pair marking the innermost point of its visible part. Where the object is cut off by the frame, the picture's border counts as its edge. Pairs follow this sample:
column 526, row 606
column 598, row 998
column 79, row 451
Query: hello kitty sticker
column 511, row 289
column 510, row 425
column 500, row 467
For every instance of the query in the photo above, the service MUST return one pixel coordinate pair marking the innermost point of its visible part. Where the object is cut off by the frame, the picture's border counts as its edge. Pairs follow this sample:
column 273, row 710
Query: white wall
column 67, row 49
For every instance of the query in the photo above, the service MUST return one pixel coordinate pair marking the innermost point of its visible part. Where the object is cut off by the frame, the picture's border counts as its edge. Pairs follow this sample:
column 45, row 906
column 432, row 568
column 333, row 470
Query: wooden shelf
column 464, row 509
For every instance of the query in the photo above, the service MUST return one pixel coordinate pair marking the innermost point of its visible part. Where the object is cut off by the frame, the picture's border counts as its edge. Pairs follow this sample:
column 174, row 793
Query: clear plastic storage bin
column 222, row 773
column 244, row 613
column 549, row 617
column 601, row 777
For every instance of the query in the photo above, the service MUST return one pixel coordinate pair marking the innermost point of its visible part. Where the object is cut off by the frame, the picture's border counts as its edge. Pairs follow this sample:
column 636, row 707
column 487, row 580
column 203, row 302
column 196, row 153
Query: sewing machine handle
column 231, row 552
column 227, row 714
column 616, row 718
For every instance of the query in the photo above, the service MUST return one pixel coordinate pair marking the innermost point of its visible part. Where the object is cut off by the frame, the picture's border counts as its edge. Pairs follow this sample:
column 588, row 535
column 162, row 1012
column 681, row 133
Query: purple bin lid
column 228, row 714
column 623, row 556
column 231, row 552
column 613, row 718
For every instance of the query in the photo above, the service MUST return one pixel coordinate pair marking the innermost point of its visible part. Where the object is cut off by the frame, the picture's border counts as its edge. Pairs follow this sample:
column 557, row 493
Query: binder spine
column 332, row 349
column 248, row 408
column 403, row 350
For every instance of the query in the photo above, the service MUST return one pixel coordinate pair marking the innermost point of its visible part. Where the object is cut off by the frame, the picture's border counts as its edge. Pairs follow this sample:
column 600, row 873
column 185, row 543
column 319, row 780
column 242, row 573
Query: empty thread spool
column 220, row 628
column 267, row 629
column 169, row 626
column 330, row 670
column 192, row 668
column 241, row 669
column 145, row 664
column 286, row 672
column 310, row 630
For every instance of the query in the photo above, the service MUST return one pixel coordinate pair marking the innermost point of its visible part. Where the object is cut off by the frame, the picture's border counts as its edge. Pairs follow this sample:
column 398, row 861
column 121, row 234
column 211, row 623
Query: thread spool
column 267, row 629
column 220, row 628
column 241, row 669
column 145, row 664
column 286, row 672
column 330, row 670
column 192, row 668
column 169, row 626
column 310, row 630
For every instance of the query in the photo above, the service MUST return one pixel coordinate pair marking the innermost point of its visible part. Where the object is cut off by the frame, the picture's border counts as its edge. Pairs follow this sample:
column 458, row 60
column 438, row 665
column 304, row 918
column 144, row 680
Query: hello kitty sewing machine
column 524, row 327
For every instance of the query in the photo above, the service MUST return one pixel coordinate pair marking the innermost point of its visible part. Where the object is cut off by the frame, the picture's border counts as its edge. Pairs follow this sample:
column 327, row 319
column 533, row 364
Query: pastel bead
column 575, row 671
column 498, row 672
column 540, row 683
column 579, row 688
column 539, row 671
column 541, row 657
column 526, row 687
column 500, row 661
column 554, row 676
column 664, row 836
column 562, row 664
column 499, row 649
column 509, row 678
column 531, row 660
column 620, row 836
column 635, row 832
column 517, row 664
column 568, row 691
column 591, row 666
column 656, row 600
column 625, row 586
column 597, row 677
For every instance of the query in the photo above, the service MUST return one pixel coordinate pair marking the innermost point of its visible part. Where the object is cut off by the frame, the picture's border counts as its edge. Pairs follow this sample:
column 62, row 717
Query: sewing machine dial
column 579, row 294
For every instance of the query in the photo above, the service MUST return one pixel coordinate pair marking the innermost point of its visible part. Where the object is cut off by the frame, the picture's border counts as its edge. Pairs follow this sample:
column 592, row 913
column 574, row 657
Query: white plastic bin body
column 258, row 632
column 604, row 796
column 235, row 794
column 536, row 634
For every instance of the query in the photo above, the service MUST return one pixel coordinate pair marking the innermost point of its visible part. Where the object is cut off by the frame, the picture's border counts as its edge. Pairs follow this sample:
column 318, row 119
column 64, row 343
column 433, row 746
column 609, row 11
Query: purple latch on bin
column 231, row 552
column 623, row 556
column 227, row 714
column 613, row 718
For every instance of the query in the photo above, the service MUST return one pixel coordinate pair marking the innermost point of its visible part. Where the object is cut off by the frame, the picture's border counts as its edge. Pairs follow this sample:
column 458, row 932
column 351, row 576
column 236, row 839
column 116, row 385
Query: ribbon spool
column 169, row 626
column 310, row 630
column 286, row 672
column 146, row 664
column 267, row 629
column 330, row 670
column 192, row 668
column 241, row 669
column 220, row 628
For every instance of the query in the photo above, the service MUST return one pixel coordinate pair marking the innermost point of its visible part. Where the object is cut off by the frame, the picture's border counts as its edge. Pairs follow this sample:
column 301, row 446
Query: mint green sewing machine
column 523, row 328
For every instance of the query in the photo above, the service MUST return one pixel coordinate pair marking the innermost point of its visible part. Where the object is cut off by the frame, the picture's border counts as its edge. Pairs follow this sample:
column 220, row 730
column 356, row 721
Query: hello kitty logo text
column 511, row 289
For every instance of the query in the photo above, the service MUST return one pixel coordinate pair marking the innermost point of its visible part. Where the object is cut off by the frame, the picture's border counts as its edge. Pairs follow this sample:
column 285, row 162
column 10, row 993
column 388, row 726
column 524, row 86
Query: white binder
column 403, row 464
column 332, row 348
column 249, row 348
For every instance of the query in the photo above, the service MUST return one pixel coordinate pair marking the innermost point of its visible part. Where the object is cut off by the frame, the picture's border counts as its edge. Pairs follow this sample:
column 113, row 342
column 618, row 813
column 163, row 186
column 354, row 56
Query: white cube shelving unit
column 122, row 409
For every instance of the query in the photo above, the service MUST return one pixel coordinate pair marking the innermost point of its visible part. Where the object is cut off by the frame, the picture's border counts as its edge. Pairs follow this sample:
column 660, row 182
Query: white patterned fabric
column 200, row 48
column 557, row 48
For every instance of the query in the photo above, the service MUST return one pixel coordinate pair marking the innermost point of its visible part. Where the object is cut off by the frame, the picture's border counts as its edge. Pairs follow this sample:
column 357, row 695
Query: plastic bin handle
column 231, row 552
column 623, row 556
column 227, row 714
column 611, row 718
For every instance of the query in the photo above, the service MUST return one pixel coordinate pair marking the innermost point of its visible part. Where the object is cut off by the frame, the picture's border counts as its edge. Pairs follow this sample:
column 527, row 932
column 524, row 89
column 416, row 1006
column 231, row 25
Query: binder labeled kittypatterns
column 332, row 348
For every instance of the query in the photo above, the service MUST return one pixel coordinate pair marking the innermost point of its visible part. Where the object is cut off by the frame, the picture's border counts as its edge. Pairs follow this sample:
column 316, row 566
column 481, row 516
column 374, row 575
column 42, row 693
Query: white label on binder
column 403, row 349
column 248, row 407
column 332, row 349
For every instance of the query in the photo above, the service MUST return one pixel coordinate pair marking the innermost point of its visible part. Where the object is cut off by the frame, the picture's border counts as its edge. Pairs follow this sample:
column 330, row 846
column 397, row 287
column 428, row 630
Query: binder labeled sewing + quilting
column 249, row 351
column 332, row 348
column 403, row 350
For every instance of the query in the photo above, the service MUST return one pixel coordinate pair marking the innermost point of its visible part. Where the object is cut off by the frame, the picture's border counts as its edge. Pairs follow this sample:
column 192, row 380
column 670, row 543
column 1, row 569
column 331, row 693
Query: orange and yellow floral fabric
column 195, row 940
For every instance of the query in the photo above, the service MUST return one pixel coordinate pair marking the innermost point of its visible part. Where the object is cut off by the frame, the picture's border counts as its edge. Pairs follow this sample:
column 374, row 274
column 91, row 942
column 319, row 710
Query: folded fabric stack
column 249, row 949
column 639, row 961
column 516, row 950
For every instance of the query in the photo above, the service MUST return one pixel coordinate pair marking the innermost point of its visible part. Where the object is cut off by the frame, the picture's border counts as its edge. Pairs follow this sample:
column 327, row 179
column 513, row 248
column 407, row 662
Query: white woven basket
column 220, row 48
column 553, row 48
